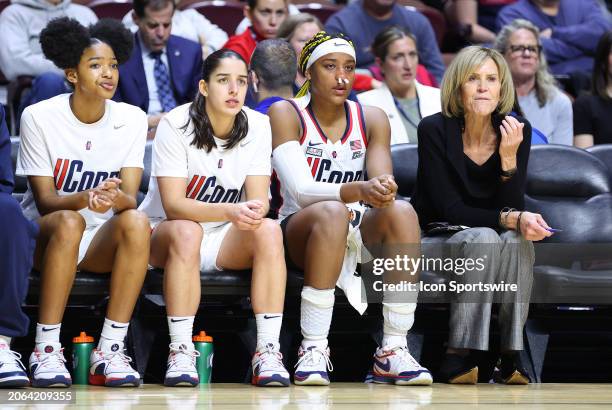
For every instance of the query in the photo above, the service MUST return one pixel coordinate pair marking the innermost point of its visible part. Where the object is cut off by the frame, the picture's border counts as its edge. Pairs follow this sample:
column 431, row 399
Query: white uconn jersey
column 335, row 163
column 78, row 156
column 217, row 176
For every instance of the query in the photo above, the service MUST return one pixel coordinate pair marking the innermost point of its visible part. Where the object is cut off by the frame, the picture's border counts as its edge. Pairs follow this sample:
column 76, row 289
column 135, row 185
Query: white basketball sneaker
column 48, row 368
column 312, row 366
column 182, row 369
column 12, row 371
column 395, row 365
column 112, row 368
column 268, row 367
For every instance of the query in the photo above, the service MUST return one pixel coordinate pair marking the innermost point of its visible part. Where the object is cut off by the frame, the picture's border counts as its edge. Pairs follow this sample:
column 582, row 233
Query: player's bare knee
column 332, row 221
column 68, row 227
column 269, row 235
column 134, row 224
column 185, row 238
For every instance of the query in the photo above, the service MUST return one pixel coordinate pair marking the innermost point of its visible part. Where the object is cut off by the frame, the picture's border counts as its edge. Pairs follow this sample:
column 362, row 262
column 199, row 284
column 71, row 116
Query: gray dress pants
column 509, row 258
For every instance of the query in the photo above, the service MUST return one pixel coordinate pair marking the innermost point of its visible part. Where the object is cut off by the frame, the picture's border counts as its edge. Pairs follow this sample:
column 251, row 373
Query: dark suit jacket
column 185, row 61
column 444, row 191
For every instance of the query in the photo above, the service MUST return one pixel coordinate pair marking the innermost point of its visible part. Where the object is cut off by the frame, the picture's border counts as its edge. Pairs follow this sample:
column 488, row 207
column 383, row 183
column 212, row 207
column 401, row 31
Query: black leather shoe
column 457, row 369
column 510, row 370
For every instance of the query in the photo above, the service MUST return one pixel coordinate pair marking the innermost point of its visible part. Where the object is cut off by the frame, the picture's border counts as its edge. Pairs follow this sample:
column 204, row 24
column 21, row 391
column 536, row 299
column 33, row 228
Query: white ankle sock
column 315, row 315
column 47, row 334
column 5, row 340
column 113, row 335
column 181, row 330
column 268, row 328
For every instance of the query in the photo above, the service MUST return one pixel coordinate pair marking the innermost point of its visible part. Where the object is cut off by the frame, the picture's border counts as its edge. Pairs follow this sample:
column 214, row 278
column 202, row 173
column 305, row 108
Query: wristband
column 509, row 173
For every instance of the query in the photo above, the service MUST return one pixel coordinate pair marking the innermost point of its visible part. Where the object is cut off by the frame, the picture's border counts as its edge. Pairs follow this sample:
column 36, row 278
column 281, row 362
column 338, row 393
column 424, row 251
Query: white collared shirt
column 148, row 62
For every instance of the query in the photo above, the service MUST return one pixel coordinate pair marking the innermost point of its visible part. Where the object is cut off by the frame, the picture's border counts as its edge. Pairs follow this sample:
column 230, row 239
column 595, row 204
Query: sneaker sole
column 184, row 380
column 517, row 378
column 57, row 381
column 312, row 380
column 15, row 381
column 272, row 381
column 469, row 377
column 101, row 380
column 421, row 379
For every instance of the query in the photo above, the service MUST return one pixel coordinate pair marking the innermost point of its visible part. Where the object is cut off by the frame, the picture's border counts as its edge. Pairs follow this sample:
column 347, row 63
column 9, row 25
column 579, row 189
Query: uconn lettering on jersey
column 320, row 169
column 69, row 176
column 205, row 189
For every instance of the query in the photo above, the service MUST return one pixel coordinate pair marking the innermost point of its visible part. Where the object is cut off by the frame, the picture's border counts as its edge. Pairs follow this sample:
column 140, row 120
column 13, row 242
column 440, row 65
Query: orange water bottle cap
column 202, row 337
column 83, row 338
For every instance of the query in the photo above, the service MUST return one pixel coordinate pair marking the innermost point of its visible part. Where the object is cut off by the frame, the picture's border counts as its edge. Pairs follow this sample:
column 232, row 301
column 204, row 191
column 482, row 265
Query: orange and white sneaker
column 112, row 368
column 268, row 367
column 395, row 365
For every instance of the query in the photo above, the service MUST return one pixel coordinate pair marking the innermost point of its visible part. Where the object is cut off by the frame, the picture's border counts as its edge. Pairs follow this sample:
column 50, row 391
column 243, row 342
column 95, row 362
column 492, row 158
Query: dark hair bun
column 114, row 33
column 63, row 42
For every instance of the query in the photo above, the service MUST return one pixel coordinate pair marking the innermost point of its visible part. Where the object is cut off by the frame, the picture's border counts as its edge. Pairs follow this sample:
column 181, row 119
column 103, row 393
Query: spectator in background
column 402, row 97
column 474, row 20
column 272, row 72
column 192, row 25
column 546, row 107
column 592, row 112
column 362, row 20
column 297, row 30
column 20, row 52
column 17, row 243
column 265, row 16
column 569, row 30
column 163, row 70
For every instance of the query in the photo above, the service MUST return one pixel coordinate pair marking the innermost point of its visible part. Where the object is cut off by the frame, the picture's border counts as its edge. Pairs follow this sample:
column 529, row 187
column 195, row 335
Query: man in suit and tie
column 164, row 70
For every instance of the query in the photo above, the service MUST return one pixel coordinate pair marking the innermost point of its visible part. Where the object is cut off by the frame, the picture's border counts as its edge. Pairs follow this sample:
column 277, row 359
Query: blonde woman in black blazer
column 472, row 169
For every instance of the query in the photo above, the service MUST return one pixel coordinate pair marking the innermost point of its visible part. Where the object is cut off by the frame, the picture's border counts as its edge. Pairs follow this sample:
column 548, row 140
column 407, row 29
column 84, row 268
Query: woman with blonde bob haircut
column 471, row 176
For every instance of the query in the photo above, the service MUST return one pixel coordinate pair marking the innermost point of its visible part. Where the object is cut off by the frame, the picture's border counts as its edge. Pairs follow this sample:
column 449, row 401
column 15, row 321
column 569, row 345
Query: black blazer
column 445, row 193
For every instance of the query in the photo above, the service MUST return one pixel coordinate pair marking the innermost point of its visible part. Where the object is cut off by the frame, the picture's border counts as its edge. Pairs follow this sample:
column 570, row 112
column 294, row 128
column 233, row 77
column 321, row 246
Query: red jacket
column 244, row 44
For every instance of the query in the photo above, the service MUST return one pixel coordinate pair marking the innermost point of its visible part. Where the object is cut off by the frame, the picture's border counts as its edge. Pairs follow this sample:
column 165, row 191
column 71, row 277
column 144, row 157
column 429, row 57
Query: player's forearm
column 193, row 210
column 53, row 202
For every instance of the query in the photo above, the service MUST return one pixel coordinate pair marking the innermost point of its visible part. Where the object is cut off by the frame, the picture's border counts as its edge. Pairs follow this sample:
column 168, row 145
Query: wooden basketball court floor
column 352, row 396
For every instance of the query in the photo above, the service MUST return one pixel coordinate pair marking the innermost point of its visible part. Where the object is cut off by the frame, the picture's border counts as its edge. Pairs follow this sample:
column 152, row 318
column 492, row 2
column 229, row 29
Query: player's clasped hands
column 380, row 191
column 247, row 216
column 102, row 197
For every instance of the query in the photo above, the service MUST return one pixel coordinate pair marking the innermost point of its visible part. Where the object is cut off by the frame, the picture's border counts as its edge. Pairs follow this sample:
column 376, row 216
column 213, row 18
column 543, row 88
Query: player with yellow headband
column 323, row 145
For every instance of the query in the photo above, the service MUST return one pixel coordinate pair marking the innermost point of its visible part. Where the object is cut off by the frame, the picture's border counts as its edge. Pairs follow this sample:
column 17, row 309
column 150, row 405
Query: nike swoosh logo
column 117, row 327
column 118, row 126
column 310, row 144
column 386, row 366
column 44, row 329
column 243, row 143
column 179, row 320
column 270, row 317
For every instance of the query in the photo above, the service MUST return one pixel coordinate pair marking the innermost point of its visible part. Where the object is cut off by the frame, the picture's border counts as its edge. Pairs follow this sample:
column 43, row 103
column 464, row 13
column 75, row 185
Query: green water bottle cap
column 202, row 337
column 83, row 338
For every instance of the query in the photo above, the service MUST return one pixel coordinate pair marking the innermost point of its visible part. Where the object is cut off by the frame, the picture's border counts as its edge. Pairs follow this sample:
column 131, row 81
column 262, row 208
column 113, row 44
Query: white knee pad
column 398, row 318
column 316, row 312
column 321, row 298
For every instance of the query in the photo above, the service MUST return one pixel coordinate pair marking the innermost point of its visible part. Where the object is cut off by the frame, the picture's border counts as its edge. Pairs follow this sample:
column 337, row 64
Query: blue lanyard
column 405, row 115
